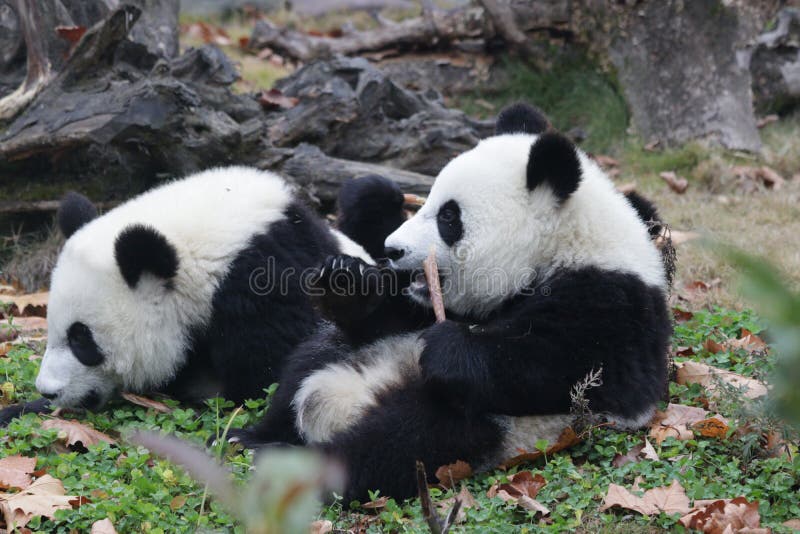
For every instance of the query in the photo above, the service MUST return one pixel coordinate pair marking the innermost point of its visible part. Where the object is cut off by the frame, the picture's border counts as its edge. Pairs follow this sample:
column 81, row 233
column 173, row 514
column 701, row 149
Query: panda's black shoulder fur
column 647, row 212
column 257, row 320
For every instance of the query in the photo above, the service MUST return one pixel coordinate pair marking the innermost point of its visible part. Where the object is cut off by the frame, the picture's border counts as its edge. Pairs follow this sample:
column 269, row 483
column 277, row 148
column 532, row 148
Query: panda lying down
column 548, row 274
column 175, row 291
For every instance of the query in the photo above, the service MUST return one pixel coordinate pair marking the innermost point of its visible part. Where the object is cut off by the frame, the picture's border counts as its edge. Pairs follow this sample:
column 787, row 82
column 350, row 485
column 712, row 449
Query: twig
column 435, row 288
column 435, row 524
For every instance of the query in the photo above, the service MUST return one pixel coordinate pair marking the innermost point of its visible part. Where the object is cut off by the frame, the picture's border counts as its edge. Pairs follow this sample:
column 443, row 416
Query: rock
column 351, row 110
column 775, row 64
column 678, row 67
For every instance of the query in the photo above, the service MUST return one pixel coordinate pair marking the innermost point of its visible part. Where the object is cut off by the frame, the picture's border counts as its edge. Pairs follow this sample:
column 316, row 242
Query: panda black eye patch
column 448, row 220
column 82, row 344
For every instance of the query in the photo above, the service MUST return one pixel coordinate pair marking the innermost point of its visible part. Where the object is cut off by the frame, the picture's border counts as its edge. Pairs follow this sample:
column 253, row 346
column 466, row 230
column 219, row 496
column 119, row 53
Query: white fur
column 513, row 236
column 337, row 396
column 350, row 247
column 208, row 218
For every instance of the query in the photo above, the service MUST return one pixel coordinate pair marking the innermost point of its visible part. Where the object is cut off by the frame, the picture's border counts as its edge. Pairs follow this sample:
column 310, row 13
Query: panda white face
column 488, row 229
column 100, row 330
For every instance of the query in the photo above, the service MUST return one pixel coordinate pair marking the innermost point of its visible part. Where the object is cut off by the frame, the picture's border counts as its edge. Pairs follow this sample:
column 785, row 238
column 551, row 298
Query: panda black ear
column 553, row 160
column 141, row 248
column 521, row 118
column 74, row 211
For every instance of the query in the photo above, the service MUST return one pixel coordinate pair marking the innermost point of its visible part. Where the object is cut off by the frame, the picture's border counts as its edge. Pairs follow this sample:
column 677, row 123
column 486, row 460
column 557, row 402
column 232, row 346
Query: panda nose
column 394, row 253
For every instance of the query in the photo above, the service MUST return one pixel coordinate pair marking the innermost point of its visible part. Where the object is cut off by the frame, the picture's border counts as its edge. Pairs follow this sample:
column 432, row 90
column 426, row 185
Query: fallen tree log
column 434, row 28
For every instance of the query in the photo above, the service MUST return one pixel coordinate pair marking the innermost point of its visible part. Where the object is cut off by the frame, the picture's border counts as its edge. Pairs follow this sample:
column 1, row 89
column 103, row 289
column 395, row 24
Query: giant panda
column 193, row 289
column 548, row 275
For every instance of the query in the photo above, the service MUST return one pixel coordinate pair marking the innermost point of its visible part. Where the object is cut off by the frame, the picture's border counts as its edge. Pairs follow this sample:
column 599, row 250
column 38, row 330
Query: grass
column 140, row 493
column 575, row 94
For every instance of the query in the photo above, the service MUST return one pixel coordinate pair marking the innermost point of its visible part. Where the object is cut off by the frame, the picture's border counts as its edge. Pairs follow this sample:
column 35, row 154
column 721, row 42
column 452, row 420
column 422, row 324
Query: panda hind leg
column 380, row 452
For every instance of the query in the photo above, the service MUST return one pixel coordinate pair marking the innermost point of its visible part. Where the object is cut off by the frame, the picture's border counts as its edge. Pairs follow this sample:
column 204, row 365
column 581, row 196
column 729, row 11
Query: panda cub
column 548, row 274
column 193, row 288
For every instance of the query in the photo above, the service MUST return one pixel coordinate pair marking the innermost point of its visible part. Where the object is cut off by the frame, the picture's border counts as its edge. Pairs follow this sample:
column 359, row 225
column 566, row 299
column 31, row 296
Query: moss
column 574, row 93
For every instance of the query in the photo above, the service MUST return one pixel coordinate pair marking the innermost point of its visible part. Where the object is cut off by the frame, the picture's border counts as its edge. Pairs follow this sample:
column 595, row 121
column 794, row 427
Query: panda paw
column 346, row 275
column 347, row 288
column 451, row 367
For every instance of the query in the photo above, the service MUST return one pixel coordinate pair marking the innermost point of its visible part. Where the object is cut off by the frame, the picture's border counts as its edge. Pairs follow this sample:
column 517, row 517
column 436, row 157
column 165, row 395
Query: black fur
column 553, row 160
column 140, row 248
column 448, row 221
column 10, row 413
column 647, row 212
column 521, row 118
column 74, row 211
column 370, row 208
column 249, row 335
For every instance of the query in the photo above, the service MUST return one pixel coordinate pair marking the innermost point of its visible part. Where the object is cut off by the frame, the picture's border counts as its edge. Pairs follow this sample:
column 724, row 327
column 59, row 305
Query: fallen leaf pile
column 725, row 516
column 521, row 489
column 42, row 498
column 710, row 377
column 680, row 422
column 16, row 472
column 670, row 500
column 30, row 305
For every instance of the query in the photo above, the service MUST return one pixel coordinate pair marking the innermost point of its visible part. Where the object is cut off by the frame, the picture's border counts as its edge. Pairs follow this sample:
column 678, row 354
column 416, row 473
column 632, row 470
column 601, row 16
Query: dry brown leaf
column 75, row 434
column 566, row 439
column 643, row 451
column 713, row 347
column 274, row 99
column 677, row 183
column 22, row 326
column 138, row 400
column 208, row 33
column 177, row 502
column 72, row 34
column 679, row 238
column 725, row 516
column 42, row 498
column 522, row 483
column 684, row 351
column 31, row 305
column 606, row 161
column 707, row 376
column 769, row 119
column 675, row 422
column 670, row 500
column 682, row 315
column 521, row 489
column 448, row 475
column 467, row 501
column 628, row 187
column 15, row 472
column 652, row 146
column 767, row 175
column 104, row 526
column 377, row 504
column 434, row 287
column 793, row 524
column 713, row 427
column 321, row 526
column 748, row 341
